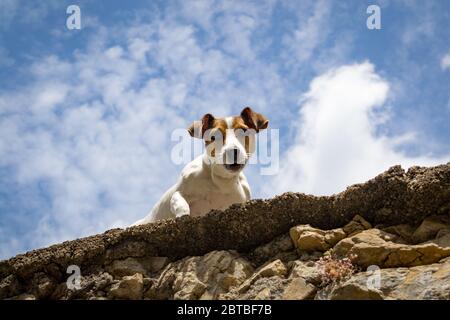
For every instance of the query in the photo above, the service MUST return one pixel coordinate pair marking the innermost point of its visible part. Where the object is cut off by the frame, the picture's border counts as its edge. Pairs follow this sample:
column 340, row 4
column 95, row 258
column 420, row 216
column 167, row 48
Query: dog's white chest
column 210, row 200
column 197, row 193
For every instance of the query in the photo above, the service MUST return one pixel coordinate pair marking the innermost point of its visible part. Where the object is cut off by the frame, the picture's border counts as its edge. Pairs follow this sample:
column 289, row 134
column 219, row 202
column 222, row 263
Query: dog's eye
column 213, row 138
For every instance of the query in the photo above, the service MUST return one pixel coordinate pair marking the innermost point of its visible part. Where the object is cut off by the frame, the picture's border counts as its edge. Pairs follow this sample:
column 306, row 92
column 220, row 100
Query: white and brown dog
column 213, row 180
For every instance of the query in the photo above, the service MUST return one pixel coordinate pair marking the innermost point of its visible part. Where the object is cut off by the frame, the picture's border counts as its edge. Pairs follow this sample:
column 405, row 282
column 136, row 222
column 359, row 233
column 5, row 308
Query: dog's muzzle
column 233, row 160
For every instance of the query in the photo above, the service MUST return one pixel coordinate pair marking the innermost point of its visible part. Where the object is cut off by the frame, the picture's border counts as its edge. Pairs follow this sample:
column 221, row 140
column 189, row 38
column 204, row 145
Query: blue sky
column 86, row 115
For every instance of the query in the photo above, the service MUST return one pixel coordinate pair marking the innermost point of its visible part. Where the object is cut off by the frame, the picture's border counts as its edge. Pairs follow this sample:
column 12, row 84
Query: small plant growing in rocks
column 334, row 270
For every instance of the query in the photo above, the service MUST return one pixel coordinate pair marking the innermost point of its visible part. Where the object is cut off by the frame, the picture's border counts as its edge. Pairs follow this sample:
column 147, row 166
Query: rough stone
column 262, row 288
column 376, row 247
column 298, row 289
column 404, row 231
column 264, row 294
column 423, row 282
column 43, row 285
column 392, row 198
column 358, row 224
column 9, row 286
column 130, row 266
column 24, row 296
column 203, row 277
column 205, row 265
column 306, row 270
column 274, row 268
column 442, row 238
column 130, row 287
column 430, row 227
column 280, row 248
column 308, row 238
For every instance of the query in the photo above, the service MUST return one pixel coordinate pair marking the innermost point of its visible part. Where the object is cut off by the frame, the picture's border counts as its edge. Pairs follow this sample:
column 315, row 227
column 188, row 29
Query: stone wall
column 294, row 246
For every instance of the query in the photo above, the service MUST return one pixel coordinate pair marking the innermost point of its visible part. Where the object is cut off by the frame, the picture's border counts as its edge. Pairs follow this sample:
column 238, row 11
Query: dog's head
column 229, row 141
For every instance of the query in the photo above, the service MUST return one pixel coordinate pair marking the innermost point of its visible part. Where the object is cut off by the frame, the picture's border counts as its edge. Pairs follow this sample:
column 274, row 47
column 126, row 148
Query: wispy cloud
column 337, row 142
column 445, row 62
column 311, row 30
column 24, row 12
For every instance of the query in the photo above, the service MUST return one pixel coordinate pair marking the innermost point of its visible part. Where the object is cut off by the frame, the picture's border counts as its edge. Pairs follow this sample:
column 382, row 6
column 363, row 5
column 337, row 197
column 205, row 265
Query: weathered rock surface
column 376, row 247
column 130, row 287
column 131, row 266
column 422, row 282
column 265, row 249
column 204, row 277
column 298, row 289
column 430, row 227
column 312, row 239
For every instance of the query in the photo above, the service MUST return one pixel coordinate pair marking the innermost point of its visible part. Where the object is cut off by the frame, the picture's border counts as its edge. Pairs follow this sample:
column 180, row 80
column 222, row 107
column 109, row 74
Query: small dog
column 213, row 180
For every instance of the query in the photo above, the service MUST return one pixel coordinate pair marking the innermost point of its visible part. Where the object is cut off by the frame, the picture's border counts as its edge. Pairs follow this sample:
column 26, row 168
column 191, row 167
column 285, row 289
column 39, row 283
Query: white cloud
column 312, row 29
column 445, row 62
column 336, row 144
column 25, row 11
column 420, row 23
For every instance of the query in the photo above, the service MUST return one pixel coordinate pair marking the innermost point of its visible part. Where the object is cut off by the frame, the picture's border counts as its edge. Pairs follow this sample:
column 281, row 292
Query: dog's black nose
column 235, row 156
column 232, row 156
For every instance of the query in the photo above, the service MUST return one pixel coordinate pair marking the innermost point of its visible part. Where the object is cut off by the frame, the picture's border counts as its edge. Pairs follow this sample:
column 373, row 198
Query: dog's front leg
column 179, row 205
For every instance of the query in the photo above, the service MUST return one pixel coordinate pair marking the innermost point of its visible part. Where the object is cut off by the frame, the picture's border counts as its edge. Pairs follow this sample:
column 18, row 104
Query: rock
column 273, row 263
column 358, row 224
column 102, row 281
column 204, row 277
column 190, row 287
column 264, row 294
column 130, row 287
column 266, row 283
column 154, row 264
column 262, row 288
column 274, row 268
column 280, row 248
column 90, row 286
column 9, row 286
column 43, row 286
column 442, row 238
column 298, row 289
column 422, row 282
column 130, row 266
column 376, row 247
column 308, row 238
column 148, row 282
column 24, row 296
column 127, row 267
column 45, row 289
column 97, row 298
column 306, row 270
column 349, row 291
column 430, row 227
column 404, row 231
column 127, row 248
column 391, row 198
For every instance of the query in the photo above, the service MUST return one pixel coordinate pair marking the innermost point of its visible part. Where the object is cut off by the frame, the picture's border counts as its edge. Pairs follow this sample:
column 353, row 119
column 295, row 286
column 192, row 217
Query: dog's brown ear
column 254, row 120
column 198, row 128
